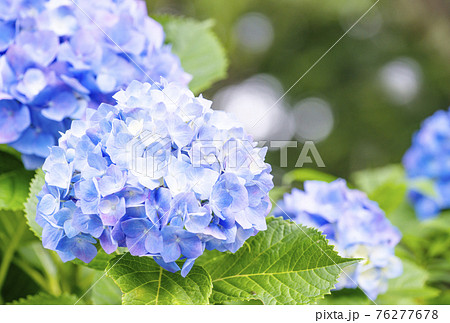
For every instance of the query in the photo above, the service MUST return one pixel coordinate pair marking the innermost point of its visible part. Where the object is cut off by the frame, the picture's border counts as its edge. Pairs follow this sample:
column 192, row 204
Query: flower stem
column 11, row 249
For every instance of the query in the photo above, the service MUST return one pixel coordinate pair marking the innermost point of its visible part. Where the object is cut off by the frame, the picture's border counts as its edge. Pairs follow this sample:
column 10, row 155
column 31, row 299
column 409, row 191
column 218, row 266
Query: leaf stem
column 11, row 249
column 33, row 274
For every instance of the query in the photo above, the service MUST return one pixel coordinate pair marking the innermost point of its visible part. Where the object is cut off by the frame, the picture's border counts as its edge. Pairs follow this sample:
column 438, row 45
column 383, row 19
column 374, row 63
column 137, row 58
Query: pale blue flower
column 427, row 164
column 355, row 225
column 130, row 177
column 58, row 58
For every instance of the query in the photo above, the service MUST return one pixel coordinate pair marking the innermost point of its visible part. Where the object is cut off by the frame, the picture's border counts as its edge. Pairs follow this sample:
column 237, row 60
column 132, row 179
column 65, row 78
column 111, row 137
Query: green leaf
column 306, row 174
column 389, row 196
column 46, row 299
column 371, row 179
column 30, row 205
column 346, row 296
column 9, row 159
column 440, row 223
column 409, row 288
column 105, row 291
column 9, row 222
column 200, row 51
column 143, row 281
column 286, row 264
column 14, row 189
column 405, row 219
column 386, row 185
column 249, row 302
column 10, row 150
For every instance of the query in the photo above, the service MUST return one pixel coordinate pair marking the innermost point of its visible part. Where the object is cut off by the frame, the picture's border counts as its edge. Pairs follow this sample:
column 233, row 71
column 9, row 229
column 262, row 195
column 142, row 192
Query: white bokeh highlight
column 401, row 80
column 254, row 103
column 313, row 119
column 254, row 32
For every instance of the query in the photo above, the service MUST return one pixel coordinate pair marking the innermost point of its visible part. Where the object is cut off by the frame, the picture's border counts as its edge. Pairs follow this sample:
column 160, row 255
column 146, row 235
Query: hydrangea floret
column 427, row 164
column 58, row 57
column 355, row 225
column 160, row 173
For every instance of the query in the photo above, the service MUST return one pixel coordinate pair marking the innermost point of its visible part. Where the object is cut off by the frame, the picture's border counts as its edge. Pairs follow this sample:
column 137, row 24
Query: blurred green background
column 361, row 103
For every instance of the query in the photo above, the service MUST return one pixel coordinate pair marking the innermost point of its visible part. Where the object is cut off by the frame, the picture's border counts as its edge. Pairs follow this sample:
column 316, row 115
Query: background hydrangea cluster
column 56, row 60
column 355, row 225
column 428, row 159
column 203, row 184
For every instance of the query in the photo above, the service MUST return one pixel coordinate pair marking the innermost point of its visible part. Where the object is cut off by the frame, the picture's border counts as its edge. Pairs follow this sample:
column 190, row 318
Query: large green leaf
column 286, row 264
column 30, row 205
column 143, row 281
column 201, row 53
column 46, row 299
column 14, row 189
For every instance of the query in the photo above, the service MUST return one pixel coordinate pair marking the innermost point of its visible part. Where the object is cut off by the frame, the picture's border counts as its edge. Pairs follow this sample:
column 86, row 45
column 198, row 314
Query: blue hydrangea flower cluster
column 355, row 225
column 56, row 60
column 160, row 173
column 428, row 161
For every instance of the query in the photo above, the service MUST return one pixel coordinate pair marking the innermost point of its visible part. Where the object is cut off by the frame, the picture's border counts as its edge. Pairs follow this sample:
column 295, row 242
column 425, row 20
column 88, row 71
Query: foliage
column 36, row 185
column 46, row 299
column 424, row 245
column 13, row 189
column 386, row 185
column 143, row 281
column 105, row 291
column 306, row 174
column 199, row 49
column 410, row 287
column 287, row 264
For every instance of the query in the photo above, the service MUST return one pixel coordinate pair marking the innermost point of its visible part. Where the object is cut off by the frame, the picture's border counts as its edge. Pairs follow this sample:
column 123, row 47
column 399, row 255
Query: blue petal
column 81, row 246
column 32, row 162
column 135, row 228
column 51, row 236
column 61, row 106
column 187, row 266
column 14, row 119
column 171, row 266
column 136, row 245
column 34, row 142
column 48, row 204
column 171, row 251
column 191, row 246
column 107, row 242
column 179, row 131
column 8, row 29
column 154, row 242
column 40, row 46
